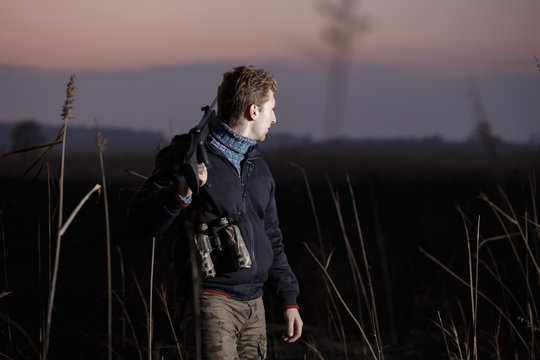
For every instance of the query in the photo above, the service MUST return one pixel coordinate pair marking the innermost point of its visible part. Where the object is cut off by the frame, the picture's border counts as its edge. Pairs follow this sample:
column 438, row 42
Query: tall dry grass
column 100, row 142
column 365, row 297
column 515, row 302
column 61, row 225
column 66, row 115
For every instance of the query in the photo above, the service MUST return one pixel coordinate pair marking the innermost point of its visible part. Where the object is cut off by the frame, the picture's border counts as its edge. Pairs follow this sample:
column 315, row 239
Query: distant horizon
column 52, row 128
column 380, row 101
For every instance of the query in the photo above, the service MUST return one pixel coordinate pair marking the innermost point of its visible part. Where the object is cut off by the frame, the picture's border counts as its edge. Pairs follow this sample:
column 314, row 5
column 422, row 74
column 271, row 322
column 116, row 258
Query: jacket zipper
column 248, row 166
column 246, row 173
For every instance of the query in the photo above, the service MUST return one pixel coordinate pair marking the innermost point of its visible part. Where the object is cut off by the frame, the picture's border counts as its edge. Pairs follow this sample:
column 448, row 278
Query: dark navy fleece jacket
column 247, row 200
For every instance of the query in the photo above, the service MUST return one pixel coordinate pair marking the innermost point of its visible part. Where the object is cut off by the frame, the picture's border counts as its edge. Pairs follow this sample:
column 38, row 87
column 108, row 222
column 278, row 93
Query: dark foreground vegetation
column 384, row 242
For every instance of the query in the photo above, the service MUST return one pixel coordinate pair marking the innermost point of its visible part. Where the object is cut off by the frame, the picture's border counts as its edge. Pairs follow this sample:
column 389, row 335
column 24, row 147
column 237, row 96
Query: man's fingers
column 294, row 325
column 203, row 174
column 290, row 328
column 290, row 338
column 297, row 332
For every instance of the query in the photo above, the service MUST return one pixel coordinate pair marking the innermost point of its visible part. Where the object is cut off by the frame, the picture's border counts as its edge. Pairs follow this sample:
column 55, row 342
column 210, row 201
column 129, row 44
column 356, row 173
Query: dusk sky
column 442, row 39
column 438, row 36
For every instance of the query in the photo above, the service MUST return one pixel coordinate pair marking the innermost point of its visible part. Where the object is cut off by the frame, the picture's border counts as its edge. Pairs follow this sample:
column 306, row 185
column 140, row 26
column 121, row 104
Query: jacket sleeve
column 155, row 206
column 280, row 272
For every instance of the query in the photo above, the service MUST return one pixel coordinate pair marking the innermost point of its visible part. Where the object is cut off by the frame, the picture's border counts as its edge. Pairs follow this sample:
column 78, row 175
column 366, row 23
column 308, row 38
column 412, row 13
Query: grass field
column 395, row 235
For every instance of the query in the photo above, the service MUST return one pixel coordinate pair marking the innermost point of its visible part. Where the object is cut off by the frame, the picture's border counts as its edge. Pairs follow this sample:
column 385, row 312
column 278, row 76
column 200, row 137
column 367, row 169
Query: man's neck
column 242, row 127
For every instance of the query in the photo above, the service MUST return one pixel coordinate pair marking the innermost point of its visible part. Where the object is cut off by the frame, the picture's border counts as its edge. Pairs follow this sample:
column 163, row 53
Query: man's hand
column 294, row 325
column 184, row 190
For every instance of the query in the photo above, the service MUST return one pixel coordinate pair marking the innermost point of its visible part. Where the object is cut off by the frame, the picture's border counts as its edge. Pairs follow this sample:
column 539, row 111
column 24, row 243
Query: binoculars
column 208, row 239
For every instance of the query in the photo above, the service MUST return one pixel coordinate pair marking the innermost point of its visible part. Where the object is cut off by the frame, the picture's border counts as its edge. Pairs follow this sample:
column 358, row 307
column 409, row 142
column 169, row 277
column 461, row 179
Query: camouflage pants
column 230, row 329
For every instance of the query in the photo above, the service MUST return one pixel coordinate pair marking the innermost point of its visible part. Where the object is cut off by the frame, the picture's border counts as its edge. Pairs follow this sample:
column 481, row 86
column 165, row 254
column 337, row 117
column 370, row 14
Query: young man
column 235, row 200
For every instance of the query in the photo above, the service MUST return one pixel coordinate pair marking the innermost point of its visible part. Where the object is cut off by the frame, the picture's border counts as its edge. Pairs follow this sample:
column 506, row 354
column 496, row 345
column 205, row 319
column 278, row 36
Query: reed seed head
column 70, row 97
column 100, row 140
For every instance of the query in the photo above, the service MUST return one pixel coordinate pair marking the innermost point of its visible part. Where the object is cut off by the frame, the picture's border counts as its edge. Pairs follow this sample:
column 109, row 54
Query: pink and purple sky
column 412, row 72
column 438, row 36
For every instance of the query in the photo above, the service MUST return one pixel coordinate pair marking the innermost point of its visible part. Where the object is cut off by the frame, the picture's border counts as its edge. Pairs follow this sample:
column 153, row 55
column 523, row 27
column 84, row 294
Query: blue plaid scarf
column 233, row 145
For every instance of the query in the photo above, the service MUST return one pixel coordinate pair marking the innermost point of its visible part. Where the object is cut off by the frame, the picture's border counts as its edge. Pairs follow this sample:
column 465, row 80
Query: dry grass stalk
column 532, row 186
column 521, row 231
column 529, row 324
column 533, row 328
column 128, row 318
column 40, row 281
column 313, row 208
column 44, row 157
column 66, row 114
column 141, row 294
column 49, row 220
column 123, row 287
column 475, row 305
column 30, row 148
column 5, row 356
column 311, row 346
column 52, row 292
column 457, row 343
column 500, row 214
column 498, row 237
column 495, row 306
column 150, row 310
column 338, row 294
column 503, row 286
column 20, row 329
column 444, row 331
column 473, row 273
column 333, row 312
column 5, row 293
column 455, row 340
column 385, row 268
column 49, row 247
column 334, row 316
column 373, row 312
column 72, row 216
column 452, row 333
column 163, row 297
column 355, row 272
column 513, row 219
column 495, row 341
column 147, row 307
column 100, row 142
column 131, row 172
column 495, row 273
column 336, row 321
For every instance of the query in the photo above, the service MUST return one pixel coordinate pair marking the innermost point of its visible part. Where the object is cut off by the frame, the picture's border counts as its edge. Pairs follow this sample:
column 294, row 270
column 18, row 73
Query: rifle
column 197, row 152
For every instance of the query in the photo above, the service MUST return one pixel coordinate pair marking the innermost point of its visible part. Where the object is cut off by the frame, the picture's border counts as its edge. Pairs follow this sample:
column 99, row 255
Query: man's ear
column 252, row 111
